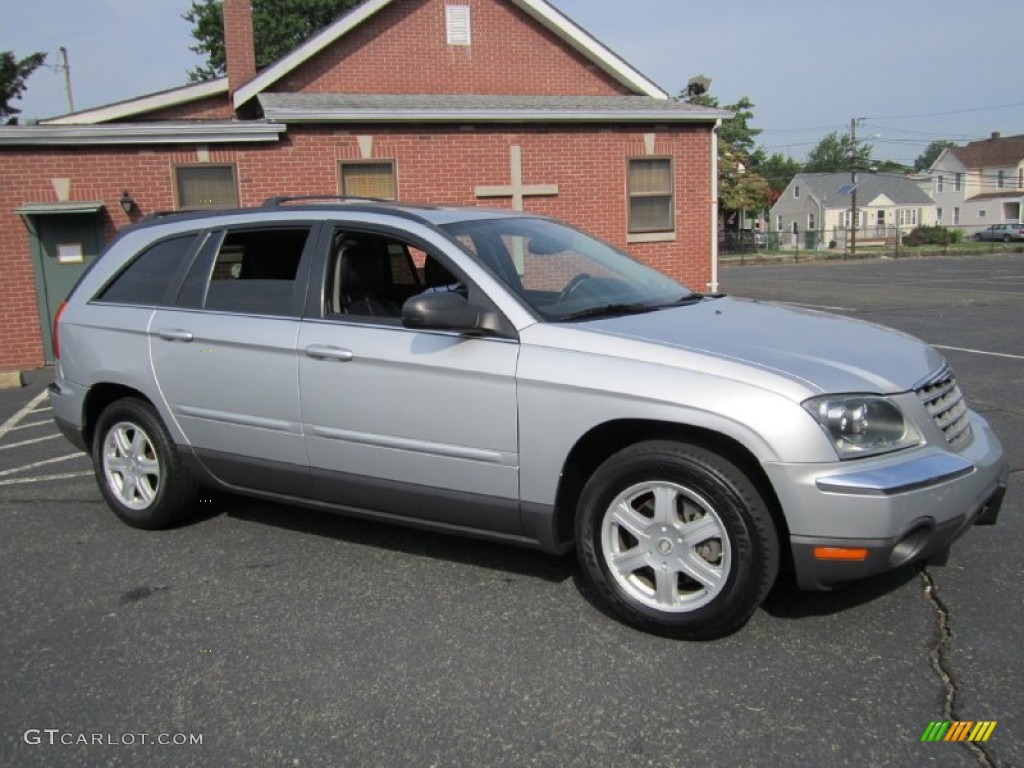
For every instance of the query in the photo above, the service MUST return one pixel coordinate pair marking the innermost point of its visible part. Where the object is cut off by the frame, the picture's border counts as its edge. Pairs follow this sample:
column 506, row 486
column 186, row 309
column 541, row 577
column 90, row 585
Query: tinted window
column 255, row 271
column 146, row 279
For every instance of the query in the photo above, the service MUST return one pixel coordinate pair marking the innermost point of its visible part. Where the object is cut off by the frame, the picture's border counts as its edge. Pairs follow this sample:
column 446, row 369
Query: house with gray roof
column 815, row 210
column 980, row 184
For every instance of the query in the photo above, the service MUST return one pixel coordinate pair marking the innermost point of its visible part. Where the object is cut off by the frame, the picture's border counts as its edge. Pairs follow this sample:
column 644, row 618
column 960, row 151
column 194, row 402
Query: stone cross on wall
column 517, row 190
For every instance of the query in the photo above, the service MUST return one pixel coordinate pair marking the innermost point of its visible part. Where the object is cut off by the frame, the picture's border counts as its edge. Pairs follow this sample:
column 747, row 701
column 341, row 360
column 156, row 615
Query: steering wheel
column 572, row 285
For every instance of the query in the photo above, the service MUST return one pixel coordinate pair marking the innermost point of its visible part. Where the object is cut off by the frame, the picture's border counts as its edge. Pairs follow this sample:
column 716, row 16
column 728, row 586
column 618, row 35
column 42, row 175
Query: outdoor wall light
column 127, row 203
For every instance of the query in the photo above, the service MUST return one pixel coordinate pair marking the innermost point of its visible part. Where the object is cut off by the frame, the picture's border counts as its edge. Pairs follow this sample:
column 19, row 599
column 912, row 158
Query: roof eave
column 489, row 116
column 148, row 103
column 141, row 133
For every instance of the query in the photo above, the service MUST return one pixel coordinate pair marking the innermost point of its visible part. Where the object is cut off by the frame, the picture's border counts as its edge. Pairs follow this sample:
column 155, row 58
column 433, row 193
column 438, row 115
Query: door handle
column 327, row 352
column 174, row 334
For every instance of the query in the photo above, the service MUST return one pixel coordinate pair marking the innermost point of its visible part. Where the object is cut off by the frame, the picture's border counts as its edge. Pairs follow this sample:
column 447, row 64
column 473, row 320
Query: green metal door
column 63, row 245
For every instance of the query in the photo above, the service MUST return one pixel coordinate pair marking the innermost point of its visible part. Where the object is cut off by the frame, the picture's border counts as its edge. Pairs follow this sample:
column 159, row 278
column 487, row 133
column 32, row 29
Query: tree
column 778, row 170
column 931, row 154
column 13, row 74
column 832, row 154
column 278, row 27
column 740, row 187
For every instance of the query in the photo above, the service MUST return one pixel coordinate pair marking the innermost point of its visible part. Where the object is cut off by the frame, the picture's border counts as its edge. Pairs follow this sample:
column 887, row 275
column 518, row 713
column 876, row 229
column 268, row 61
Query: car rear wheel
column 676, row 539
column 138, row 468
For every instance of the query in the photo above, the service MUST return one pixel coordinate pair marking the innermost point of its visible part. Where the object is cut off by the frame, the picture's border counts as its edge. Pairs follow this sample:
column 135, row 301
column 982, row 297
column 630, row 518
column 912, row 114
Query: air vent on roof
column 457, row 19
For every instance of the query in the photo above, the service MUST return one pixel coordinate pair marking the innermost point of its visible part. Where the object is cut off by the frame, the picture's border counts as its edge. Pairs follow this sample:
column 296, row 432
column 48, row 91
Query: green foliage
column 833, row 154
column 278, row 27
column 933, row 236
column 740, row 186
column 931, row 154
column 778, row 170
column 13, row 74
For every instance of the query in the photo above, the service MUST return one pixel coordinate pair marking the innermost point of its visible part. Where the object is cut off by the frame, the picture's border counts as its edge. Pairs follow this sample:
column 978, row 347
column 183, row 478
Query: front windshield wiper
column 610, row 310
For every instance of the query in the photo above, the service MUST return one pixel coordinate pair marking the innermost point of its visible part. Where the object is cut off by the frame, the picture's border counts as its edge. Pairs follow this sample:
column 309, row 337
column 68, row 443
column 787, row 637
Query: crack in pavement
column 937, row 657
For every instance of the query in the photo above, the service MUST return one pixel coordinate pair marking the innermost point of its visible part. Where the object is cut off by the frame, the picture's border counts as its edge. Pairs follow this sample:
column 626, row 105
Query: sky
column 916, row 70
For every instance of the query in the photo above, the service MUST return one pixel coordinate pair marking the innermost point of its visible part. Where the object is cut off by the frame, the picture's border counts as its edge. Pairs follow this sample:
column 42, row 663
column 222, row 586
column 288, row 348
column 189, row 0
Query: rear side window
column 255, row 271
column 148, row 276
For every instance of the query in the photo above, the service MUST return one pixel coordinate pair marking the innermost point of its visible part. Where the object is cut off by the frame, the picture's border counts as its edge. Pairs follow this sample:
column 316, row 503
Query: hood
column 826, row 352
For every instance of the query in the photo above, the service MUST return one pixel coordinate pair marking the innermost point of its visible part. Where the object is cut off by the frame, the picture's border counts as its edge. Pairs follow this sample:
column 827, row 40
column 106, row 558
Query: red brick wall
column 433, row 165
column 210, row 108
column 403, row 49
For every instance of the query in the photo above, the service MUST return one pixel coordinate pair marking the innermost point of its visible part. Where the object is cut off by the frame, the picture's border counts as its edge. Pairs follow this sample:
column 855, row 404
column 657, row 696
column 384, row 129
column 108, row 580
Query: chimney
column 996, row 135
column 239, row 49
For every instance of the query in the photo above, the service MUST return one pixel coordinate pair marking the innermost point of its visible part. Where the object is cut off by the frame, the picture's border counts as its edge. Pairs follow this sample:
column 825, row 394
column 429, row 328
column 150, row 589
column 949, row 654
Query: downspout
column 713, row 285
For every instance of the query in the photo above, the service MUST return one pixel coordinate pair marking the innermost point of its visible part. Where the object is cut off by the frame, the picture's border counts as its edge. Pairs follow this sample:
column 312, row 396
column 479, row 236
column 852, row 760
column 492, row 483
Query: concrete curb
column 11, row 380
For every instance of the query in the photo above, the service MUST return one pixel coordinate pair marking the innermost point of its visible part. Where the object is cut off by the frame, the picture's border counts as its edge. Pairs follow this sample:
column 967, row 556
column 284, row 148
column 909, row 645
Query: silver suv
column 505, row 376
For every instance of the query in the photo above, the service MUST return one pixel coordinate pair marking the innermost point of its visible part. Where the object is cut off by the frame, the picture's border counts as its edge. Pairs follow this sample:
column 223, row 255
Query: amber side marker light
column 840, row 553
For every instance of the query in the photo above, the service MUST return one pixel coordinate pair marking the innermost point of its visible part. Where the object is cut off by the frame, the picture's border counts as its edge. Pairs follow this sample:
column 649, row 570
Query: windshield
column 563, row 274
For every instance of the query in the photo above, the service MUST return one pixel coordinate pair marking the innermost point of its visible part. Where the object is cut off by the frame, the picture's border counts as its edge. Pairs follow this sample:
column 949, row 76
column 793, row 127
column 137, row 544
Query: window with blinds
column 206, row 186
column 375, row 179
column 651, row 195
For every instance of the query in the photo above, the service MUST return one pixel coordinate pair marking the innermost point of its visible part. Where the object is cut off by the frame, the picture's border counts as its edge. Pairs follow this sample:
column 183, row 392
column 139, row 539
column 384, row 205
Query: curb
column 11, row 380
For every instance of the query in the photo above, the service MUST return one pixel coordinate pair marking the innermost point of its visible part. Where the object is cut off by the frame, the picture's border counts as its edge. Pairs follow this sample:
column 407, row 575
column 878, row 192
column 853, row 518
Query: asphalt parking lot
column 284, row 637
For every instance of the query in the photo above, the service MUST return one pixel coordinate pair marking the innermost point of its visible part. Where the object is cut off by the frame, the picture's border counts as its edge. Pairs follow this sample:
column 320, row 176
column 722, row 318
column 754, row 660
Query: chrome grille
column 945, row 404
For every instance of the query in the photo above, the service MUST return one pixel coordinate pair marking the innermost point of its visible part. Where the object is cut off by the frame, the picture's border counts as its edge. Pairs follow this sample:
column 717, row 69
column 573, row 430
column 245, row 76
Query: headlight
column 862, row 425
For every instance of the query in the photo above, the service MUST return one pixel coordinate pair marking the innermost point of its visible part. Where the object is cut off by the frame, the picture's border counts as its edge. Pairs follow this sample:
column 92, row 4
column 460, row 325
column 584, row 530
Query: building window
column 958, row 182
column 206, row 186
column 956, row 217
column 812, row 225
column 938, row 215
column 372, row 179
column 778, row 223
column 457, row 24
column 1001, row 179
column 908, row 217
column 1020, row 178
column 982, row 214
column 796, row 191
column 939, row 181
column 651, row 199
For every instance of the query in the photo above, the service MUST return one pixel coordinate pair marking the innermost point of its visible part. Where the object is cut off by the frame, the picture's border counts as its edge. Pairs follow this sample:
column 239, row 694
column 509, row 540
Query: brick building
column 468, row 102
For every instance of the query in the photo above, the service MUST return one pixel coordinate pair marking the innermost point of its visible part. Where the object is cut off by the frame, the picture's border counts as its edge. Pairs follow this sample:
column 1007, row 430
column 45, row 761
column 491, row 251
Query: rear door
column 225, row 360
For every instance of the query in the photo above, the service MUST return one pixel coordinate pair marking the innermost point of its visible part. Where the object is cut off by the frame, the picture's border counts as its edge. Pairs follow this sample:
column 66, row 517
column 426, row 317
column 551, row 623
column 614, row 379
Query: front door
column 63, row 246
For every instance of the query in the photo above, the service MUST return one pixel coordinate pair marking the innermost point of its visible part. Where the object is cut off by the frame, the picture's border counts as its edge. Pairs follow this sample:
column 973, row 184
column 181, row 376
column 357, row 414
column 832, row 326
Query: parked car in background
column 505, row 376
column 1004, row 232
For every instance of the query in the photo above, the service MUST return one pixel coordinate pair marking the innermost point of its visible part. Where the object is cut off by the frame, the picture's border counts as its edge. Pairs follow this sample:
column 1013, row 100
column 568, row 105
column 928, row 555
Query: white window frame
column 956, row 216
column 796, row 191
column 458, row 27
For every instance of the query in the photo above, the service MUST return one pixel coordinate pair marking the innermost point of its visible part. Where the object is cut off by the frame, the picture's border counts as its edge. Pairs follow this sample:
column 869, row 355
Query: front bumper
column 849, row 520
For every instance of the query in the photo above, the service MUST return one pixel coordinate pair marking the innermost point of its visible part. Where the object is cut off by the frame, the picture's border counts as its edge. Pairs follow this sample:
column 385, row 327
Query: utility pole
column 853, row 183
column 67, row 77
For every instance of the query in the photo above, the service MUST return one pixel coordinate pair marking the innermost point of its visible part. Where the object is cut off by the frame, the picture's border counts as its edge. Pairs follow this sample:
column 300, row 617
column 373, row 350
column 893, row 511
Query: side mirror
column 447, row 312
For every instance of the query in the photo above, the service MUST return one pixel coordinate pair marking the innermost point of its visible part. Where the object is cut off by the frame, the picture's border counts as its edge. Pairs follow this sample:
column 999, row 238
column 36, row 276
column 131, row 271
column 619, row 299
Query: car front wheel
column 138, row 468
column 675, row 539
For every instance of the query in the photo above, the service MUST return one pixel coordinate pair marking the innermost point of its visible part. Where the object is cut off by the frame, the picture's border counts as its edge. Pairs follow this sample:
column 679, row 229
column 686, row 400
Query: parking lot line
column 30, row 425
column 980, row 352
column 43, row 478
column 42, row 463
column 12, row 422
column 28, row 442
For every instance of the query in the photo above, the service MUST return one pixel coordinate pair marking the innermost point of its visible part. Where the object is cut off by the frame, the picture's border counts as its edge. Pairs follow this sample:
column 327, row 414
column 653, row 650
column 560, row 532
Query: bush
column 933, row 236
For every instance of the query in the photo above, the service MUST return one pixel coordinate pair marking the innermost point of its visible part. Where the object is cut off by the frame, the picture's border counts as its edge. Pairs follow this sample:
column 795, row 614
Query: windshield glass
column 561, row 273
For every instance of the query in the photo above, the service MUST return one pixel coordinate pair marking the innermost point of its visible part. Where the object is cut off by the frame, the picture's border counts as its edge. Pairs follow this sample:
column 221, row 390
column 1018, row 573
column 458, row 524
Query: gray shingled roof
column 900, row 189
column 346, row 107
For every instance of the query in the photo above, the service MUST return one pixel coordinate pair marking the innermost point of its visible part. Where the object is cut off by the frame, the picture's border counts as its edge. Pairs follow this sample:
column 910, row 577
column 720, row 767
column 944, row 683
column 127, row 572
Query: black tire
column 712, row 524
column 138, row 468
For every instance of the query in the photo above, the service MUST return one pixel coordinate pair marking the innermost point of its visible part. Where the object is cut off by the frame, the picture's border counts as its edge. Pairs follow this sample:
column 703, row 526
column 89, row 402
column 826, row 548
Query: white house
column 815, row 210
column 980, row 184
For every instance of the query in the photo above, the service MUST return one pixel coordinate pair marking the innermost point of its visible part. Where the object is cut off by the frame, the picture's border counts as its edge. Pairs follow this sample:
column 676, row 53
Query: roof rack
column 274, row 202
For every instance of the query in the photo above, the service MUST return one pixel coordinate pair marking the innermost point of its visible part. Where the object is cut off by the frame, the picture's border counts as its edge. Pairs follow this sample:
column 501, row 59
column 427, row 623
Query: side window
column 372, row 275
column 254, row 271
column 148, row 276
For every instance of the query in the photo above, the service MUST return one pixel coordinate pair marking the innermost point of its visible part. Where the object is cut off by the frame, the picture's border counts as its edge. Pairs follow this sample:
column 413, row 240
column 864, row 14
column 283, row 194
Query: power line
column 939, row 114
